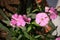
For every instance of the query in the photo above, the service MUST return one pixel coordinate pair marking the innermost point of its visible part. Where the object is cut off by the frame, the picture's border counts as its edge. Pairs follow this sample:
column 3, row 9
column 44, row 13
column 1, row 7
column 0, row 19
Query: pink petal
column 13, row 22
column 15, row 16
column 26, row 19
column 46, row 9
column 57, row 38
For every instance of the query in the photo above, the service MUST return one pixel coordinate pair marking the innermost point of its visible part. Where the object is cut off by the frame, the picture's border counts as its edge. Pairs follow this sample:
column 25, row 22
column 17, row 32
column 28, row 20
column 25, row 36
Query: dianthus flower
column 17, row 20
column 57, row 38
column 42, row 19
column 53, row 13
column 27, row 20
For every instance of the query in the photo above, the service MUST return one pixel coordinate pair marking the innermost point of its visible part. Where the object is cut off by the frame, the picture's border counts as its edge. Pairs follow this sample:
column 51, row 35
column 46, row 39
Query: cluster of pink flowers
column 41, row 18
column 19, row 20
column 52, row 12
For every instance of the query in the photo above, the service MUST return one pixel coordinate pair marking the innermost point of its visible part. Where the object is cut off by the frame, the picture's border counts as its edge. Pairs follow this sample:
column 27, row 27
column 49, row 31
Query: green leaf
column 29, row 28
column 6, row 21
column 3, row 14
column 26, row 34
column 35, row 23
column 37, row 36
column 35, row 10
column 4, row 27
column 32, row 15
column 20, row 36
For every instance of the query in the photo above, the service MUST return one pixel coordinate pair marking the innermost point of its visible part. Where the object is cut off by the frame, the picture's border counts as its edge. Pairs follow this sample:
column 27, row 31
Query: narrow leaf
column 29, row 28
column 3, row 14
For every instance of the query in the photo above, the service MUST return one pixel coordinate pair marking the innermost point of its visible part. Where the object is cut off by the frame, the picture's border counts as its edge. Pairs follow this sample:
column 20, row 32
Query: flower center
column 42, row 19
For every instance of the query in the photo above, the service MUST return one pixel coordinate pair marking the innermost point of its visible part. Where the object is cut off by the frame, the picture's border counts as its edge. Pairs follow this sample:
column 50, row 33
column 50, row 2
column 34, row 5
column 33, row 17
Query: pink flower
column 13, row 22
column 26, row 19
column 20, row 21
column 47, row 9
column 42, row 19
column 17, row 20
column 53, row 9
column 57, row 38
column 53, row 13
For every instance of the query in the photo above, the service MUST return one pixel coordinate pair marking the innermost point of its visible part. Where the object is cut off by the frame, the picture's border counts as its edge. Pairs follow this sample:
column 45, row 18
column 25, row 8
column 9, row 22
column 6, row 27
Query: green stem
column 27, row 35
column 38, row 6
